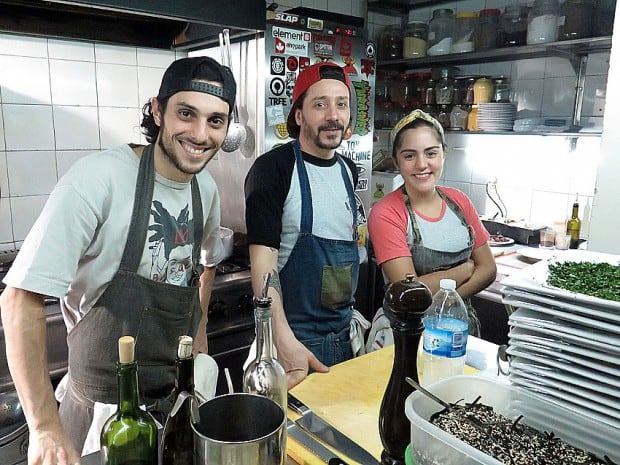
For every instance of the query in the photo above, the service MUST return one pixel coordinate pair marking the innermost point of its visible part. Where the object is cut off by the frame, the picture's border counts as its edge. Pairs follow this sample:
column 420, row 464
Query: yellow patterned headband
column 417, row 114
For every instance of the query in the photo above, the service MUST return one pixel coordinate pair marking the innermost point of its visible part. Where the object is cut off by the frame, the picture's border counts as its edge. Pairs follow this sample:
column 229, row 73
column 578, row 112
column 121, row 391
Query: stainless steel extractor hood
column 181, row 24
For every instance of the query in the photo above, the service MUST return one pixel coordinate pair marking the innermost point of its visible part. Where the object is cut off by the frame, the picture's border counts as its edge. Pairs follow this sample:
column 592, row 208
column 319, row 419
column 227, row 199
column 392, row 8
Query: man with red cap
column 301, row 220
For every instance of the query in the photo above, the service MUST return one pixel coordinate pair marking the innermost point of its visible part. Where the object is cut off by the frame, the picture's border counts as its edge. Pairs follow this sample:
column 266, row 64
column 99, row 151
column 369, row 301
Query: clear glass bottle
column 488, row 27
column 440, row 31
column 391, row 43
column 441, row 351
column 265, row 375
column 177, row 444
column 129, row 437
column 576, row 19
column 464, row 28
column 542, row 22
column 513, row 26
column 415, row 40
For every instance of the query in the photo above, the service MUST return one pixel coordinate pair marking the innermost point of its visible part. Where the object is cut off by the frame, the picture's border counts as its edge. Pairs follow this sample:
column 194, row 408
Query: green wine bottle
column 177, row 447
column 129, row 437
column 573, row 225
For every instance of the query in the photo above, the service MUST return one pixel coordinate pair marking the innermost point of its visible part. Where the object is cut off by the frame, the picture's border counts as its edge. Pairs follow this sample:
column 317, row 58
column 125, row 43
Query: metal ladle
column 236, row 132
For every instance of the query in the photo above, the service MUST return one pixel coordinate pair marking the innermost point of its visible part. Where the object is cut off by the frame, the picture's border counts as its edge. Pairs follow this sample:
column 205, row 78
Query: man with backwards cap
column 301, row 221
column 128, row 241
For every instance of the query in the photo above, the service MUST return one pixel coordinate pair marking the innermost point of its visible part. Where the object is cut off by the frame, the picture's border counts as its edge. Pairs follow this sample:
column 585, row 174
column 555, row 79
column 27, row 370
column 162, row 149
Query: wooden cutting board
column 348, row 397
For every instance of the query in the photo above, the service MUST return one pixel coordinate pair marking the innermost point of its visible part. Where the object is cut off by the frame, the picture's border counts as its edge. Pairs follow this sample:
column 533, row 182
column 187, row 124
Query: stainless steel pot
column 240, row 429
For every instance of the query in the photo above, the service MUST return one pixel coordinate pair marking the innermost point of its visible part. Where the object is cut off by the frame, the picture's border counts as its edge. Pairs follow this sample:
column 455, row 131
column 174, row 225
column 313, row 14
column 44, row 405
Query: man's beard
column 166, row 144
column 316, row 136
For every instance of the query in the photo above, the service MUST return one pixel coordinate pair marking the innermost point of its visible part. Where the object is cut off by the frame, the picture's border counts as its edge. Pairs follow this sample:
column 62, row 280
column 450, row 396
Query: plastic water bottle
column 441, row 352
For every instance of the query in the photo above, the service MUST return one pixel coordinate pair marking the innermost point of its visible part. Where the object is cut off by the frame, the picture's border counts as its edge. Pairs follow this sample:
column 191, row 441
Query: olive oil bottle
column 573, row 225
column 177, row 446
column 129, row 437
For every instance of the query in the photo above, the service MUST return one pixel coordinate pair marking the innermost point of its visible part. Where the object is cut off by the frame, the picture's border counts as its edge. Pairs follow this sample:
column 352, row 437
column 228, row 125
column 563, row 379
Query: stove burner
column 232, row 265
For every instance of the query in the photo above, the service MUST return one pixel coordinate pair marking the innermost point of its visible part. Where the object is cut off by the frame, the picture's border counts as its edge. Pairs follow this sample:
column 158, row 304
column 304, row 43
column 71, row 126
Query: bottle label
column 446, row 338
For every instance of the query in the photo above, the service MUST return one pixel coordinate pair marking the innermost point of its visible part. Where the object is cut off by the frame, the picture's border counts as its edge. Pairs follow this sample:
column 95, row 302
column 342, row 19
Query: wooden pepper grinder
column 404, row 305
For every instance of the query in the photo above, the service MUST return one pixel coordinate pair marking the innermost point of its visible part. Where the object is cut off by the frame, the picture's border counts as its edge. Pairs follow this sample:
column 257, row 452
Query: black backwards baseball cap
column 182, row 76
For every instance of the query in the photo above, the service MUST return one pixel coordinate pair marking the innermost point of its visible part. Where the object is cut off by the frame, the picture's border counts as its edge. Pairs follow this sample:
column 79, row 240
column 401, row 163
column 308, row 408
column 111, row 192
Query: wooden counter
column 348, row 397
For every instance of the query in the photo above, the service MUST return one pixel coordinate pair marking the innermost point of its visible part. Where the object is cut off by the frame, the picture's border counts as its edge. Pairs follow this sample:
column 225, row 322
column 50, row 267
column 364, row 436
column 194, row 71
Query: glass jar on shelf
column 501, row 90
column 488, row 27
column 415, row 40
column 513, row 26
column 443, row 116
column 464, row 28
column 428, row 91
column 458, row 118
column 440, row 31
column 576, row 19
column 400, row 89
column 382, row 87
column 391, row 43
column 444, row 88
column 542, row 22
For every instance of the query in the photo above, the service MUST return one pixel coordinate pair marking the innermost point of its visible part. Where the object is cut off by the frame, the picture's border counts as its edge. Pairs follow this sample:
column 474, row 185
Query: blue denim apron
column 155, row 313
column 426, row 260
column 320, row 278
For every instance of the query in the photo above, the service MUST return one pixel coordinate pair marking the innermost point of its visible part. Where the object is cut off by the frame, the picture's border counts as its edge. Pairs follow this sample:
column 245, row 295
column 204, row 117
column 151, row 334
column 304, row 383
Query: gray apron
column 426, row 260
column 154, row 313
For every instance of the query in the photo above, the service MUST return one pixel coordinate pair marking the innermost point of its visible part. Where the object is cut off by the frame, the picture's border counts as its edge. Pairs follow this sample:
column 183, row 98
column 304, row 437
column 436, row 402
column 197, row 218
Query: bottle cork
column 126, row 349
column 185, row 347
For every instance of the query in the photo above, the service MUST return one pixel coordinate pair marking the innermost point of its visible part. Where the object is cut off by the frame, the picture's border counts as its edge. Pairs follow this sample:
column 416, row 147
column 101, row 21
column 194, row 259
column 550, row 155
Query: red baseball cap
column 313, row 74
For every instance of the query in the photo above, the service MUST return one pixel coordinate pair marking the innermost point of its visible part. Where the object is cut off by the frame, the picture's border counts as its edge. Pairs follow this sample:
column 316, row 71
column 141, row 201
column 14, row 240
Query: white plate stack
column 496, row 116
column 563, row 345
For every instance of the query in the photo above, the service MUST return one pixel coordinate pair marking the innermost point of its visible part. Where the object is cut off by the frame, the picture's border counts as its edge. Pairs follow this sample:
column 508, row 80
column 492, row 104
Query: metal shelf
column 521, row 133
column 571, row 49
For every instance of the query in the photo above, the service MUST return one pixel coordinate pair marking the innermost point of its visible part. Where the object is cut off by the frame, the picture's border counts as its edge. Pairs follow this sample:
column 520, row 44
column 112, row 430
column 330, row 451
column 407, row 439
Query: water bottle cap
column 447, row 284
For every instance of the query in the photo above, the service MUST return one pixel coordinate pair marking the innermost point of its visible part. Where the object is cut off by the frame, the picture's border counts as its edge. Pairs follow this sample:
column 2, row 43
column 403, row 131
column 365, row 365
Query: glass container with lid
column 542, row 22
column 440, row 31
column 464, row 27
column 391, row 43
column 415, row 40
column 488, row 27
column 501, row 90
column 576, row 20
column 513, row 26
column 444, row 88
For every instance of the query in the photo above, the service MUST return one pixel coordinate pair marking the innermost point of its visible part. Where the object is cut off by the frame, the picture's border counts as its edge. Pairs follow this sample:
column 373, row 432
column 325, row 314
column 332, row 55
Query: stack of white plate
column 496, row 116
column 563, row 345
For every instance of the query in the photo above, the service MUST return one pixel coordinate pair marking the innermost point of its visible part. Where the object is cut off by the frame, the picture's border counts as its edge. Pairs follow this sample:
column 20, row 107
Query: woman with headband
column 425, row 229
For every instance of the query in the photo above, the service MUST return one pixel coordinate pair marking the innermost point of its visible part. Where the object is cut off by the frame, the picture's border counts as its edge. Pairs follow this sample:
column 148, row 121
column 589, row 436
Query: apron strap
column 306, row 193
column 417, row 236
column 136, row 237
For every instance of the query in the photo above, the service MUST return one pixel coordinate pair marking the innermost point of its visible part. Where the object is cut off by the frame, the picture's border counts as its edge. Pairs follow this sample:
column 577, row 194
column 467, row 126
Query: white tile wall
column 61, row 100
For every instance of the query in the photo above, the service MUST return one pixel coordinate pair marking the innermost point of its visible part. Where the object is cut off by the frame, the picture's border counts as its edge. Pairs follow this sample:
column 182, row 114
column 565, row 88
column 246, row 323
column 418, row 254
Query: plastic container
column 415, row 40
column 488, row 29
column 441, row 352
column 464, row 29
column 576, row 19
column 431, row 445
column 542, row 22
column 440, row 32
